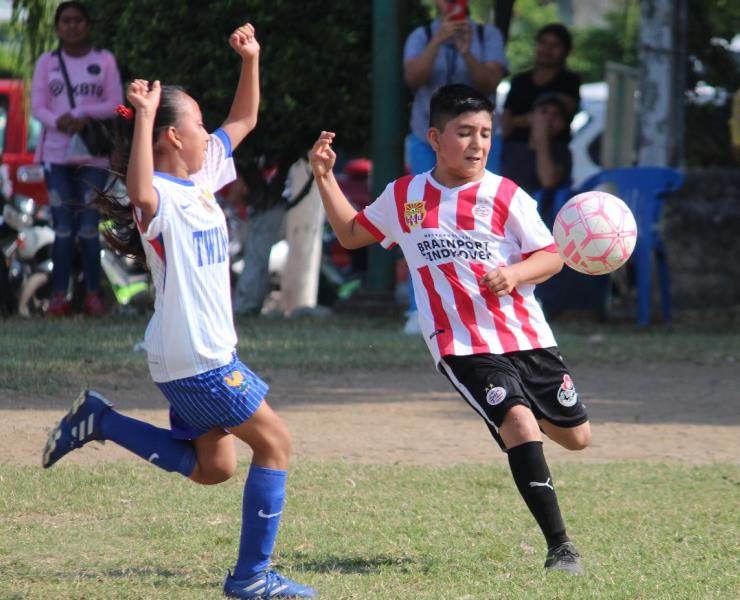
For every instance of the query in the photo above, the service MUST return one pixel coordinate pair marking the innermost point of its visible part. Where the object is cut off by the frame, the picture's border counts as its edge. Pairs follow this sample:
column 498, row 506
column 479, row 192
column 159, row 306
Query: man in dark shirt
column 548, row 75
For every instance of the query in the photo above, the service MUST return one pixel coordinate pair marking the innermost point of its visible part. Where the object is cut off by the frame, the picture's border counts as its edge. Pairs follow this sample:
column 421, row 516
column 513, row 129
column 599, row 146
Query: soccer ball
column 595, row 233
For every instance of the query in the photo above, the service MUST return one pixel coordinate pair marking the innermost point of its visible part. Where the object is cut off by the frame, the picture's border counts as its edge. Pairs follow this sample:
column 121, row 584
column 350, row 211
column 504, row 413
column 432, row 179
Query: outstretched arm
column 140, row 173
column 339, row 211
column 243, row 114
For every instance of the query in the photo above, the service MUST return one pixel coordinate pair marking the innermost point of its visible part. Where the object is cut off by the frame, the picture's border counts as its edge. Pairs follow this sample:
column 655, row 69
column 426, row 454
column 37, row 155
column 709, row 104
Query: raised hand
column 244, row 42
column 143, row 97
column 463, row 35
column 322, row 157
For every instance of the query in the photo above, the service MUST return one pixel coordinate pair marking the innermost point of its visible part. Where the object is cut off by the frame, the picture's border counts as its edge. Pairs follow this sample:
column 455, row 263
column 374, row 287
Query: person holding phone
column 451, row 49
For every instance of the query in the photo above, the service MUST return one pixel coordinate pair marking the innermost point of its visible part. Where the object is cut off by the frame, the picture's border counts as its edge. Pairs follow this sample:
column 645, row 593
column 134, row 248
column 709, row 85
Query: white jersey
column 186, row 246
column 450, row 238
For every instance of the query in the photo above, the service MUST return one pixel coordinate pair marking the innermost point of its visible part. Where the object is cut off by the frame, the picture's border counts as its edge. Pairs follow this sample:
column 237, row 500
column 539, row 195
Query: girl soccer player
column 173, row 168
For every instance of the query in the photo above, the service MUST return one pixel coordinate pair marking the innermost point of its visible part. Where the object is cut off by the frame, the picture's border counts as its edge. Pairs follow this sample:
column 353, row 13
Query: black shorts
column 538, row 379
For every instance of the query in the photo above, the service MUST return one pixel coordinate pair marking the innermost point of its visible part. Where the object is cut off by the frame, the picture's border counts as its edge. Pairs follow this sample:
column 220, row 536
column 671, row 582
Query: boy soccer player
column 476, row 247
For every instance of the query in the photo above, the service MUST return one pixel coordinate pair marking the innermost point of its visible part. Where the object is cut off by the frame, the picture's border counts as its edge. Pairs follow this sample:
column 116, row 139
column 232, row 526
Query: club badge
column 567, row 395
column 495, row 395
column 414, row 213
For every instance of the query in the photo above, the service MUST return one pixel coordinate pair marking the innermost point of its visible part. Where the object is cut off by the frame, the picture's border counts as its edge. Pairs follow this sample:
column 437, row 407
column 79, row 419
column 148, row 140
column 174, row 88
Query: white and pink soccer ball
column 595, row 233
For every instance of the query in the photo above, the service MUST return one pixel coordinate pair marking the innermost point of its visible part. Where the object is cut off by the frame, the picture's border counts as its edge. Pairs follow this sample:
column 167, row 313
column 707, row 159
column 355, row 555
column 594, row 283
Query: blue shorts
column 223, row 397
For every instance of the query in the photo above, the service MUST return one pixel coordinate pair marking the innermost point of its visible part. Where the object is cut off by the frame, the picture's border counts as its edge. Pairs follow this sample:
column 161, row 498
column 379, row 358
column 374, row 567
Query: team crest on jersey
column 207, row 198
column 495, row 394
column 567, row 395
column 236, row 380
column 414, row 213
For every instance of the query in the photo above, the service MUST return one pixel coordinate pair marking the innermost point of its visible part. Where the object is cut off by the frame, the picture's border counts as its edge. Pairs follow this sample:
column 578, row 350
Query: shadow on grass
column 157, row 577
column 346, row 565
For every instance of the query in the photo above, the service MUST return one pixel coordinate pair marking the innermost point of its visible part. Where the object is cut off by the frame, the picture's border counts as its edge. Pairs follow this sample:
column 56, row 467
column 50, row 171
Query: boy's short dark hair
column 560, row 31
column 452, row 100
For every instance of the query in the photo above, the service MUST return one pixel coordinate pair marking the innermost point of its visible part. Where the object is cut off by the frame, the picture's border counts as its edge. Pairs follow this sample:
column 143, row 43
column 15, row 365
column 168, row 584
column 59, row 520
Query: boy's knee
column 580, row 440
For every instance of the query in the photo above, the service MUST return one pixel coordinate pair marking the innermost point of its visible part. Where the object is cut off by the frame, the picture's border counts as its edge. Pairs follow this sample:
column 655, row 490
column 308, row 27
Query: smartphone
column 457, row 9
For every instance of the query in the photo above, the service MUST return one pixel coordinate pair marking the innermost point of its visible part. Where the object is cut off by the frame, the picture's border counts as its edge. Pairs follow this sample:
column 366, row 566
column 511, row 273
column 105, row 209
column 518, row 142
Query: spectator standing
column 72, row 180
column 447, row 50
column 519, row 159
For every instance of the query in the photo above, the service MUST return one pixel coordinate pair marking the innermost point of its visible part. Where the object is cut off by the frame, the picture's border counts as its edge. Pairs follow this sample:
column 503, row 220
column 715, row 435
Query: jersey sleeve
column 527, row 226
column 218, row 166
column 159, row 221
column 378, row 218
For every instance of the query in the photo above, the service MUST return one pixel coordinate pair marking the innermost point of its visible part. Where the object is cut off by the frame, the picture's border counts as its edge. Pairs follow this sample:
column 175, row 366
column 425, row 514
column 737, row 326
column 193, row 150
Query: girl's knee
column 214, row 473
column 274, row 445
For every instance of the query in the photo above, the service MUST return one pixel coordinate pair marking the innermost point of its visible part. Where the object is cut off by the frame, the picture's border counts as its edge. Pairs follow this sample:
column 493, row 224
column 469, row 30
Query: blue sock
column 264, row 495
column 151, row 443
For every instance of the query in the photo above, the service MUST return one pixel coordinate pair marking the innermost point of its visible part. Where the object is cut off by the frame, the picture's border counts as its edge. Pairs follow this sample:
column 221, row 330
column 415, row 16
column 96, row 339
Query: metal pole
column 387, row 123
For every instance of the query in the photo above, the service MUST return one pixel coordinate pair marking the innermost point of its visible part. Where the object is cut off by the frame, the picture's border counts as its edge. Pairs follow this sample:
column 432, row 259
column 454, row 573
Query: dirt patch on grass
column 687, row 413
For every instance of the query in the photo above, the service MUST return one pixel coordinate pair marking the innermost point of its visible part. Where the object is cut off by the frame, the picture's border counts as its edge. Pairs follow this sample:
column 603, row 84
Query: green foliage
column 316, row 63
column 712, row 25
column 33, row 23
column 617, row 42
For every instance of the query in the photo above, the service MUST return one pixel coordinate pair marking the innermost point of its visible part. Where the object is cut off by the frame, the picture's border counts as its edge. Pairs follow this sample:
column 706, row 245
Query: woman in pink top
column 95, row 87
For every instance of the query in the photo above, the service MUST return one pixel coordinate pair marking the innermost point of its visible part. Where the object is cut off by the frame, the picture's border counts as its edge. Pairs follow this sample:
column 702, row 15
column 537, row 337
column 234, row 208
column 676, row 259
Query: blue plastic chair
column 643, row 190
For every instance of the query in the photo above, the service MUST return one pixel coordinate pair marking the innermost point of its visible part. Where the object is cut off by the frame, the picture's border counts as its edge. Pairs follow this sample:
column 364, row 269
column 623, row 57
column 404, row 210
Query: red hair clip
column 125, row 112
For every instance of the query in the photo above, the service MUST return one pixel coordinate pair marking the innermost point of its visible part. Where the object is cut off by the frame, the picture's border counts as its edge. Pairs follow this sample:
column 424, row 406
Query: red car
column 19, row 135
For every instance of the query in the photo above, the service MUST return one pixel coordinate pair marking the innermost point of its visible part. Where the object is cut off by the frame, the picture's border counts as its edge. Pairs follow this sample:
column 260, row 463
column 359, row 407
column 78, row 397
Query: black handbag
column 98, row 135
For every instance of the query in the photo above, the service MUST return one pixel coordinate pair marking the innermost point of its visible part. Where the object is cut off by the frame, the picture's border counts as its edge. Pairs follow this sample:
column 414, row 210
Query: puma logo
column 538, row 484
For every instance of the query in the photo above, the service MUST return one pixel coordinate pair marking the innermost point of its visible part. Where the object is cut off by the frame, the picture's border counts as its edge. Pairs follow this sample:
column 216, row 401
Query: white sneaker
column 412, row 327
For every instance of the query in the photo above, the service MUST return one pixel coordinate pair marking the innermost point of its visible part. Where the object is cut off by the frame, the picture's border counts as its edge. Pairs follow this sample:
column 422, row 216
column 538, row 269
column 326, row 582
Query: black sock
column 532, row 478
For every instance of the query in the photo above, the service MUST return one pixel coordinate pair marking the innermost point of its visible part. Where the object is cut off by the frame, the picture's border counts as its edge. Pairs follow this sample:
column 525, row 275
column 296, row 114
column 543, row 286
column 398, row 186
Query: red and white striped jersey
column 450, row 238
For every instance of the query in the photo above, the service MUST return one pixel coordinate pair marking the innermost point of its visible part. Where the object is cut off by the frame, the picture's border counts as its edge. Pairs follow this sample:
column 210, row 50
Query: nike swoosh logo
column 264, row 515
column 153, row 457
column 184, row 206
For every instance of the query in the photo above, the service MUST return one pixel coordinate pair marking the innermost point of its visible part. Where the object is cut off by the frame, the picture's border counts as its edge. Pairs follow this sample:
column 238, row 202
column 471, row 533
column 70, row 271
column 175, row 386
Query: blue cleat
column 266, row 584
column 78, row 427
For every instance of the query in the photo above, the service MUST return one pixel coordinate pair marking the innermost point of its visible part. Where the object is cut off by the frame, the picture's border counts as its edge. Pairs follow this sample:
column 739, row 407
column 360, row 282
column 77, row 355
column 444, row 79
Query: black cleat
column 564, row 557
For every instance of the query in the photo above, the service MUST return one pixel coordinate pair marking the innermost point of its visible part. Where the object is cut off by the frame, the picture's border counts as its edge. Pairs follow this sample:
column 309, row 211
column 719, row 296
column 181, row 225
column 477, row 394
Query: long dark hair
column 116, row 210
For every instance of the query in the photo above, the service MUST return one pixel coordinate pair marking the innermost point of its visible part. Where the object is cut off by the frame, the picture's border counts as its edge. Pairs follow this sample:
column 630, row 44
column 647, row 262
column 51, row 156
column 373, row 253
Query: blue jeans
column 71, row 192
column 263, row 230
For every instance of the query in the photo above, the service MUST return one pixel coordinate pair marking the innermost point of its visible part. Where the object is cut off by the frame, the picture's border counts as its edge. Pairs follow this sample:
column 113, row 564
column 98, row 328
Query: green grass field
column 372, row 532
column 330, row 345
column 127, row 531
